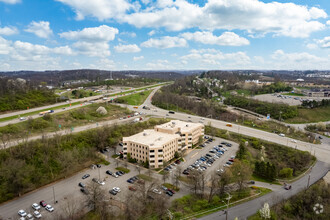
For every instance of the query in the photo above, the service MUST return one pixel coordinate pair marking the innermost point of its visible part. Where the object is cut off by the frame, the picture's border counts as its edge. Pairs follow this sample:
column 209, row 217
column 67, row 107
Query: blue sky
column 164, row 34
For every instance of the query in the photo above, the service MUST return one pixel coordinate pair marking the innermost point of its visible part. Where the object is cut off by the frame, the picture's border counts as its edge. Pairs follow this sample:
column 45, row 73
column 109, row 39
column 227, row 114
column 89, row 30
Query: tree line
column 315, row 104
column 277, row 111
column 33, row 164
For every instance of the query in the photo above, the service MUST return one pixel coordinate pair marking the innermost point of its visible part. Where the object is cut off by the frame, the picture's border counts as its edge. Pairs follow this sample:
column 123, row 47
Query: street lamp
column 228, row 199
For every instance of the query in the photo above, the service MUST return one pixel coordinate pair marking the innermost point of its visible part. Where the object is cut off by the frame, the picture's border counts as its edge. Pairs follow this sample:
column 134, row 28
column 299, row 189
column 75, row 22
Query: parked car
column 98, row 165
column 109, row 172
column 85, row 176
column 164, row 188
column 115, row 175
column 49, row 208
column 113, row 192
column 35, row 206
column 121, row 172
column 81, row 185
column 22, row 213
column 156, row 191
column 132, row 188
column 251, row 182
column 37, row 214
column 130, row 180
column 84, row 190
column 169, row 193
column 94, row 180
column 117, row 189
column 171, row 190
column 118, row 173
column 43, row 203
column 29, row 216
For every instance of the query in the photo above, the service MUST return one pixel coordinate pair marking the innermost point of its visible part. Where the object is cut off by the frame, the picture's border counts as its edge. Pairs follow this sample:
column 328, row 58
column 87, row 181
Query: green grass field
column 293, row 94
column 67, row 119
column 135, row 99
column 311, row 115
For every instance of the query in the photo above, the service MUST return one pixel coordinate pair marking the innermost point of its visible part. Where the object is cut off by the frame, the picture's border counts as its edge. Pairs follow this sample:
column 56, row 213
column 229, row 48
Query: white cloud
column 41, row 29
column 152, row 33
column 97, row 49
column 226, row 39
column 130, row 34
column 159, row 65
column 253, row 16
column 138, row 58
column 101, row 33
column 311, row 46
column 101, row 9
column 8, row 30
column 282, row 60
column 212, row 58
column 11, row 1
column 5, row 46
column 324, row 43
column 129, row 48
column 328, row 22
column 105, row 64
column 165, row 42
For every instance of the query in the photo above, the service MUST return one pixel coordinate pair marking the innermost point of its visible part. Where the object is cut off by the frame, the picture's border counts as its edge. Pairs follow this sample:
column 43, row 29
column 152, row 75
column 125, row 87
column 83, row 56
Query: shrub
column 286, row 172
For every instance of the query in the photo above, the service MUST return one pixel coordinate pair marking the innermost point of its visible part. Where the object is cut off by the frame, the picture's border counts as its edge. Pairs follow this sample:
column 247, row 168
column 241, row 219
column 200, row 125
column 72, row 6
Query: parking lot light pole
column 228, row 199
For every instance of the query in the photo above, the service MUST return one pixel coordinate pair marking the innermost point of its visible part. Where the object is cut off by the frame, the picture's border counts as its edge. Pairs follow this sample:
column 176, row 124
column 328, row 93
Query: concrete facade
column 160, row 144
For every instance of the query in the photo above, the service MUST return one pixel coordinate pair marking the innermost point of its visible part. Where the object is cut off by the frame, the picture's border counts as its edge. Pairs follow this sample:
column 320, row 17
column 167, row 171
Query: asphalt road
column 247, row 209
column 85, row 101
column 63, row 189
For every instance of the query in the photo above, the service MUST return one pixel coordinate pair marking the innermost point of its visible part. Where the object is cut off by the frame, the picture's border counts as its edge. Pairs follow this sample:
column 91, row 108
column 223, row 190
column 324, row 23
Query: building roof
column 151, row 138
column 184, row 126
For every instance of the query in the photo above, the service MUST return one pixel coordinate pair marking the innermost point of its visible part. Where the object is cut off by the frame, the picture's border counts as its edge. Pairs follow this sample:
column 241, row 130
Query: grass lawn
column 63, row 120
column 145, row 177
column 170, row 186
column 311, row 115
column 115, row 156
column 256, row 178
column 123, row 169
column 135, row 99
column 293, row 94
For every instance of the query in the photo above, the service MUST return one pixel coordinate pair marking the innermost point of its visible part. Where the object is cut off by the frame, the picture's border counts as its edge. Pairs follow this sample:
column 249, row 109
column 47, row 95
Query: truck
column 46, row 112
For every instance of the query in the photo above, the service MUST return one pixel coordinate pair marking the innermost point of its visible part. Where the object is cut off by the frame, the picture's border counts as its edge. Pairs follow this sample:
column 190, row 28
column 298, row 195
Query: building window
column 160, row 150
column 152, row 151
column 160, row 161
column 152, row 156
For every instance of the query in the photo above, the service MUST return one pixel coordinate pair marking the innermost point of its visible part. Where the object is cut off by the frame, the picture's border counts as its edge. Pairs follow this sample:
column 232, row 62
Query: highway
column 84, row 101
column 67, row 186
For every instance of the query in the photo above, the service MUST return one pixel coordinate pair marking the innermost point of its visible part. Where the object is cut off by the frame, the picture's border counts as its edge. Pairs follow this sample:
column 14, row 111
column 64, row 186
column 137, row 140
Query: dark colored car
column 43, row 203
column 135, row 178
column 84, row 190
column 81, row 185
column 118, row 173
column 231, row 160
column 178, row 161
column 121, row 172
column 108, row 172
column 130, row 180
column 171, row 190
column 169, row 193
column 98, row 165
column 186, row 172
column 85, row 176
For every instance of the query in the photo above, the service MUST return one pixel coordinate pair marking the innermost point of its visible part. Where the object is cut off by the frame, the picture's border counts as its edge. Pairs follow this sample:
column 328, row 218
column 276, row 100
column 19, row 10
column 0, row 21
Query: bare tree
column 225, row 179
column 177, row 176
column 165, row 176
column 213, row 185
column 241, row 173
column 70, row 207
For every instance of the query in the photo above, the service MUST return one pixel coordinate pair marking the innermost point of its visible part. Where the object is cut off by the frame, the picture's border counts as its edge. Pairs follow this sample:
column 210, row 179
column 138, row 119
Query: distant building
column 160, row 144
column 300, row 80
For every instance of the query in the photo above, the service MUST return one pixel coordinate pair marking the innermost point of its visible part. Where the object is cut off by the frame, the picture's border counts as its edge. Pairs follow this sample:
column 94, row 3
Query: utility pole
column 54, row 194
column 228, row 199
column 309, row 177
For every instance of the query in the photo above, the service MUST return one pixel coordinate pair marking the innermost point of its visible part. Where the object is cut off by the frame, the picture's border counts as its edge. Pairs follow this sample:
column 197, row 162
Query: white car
column 282, row 135
column 117, row 189
column 101, row 182
column 22, row 118
column 35, row 206
column 29, row 217
column 156, row 191
column 49, row 208
column 37, row 214
column 22, row 213
column 294, row 141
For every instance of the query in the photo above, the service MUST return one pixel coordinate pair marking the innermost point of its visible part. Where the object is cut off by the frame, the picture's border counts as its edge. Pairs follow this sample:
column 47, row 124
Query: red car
column 231, row 160
column 43, row 203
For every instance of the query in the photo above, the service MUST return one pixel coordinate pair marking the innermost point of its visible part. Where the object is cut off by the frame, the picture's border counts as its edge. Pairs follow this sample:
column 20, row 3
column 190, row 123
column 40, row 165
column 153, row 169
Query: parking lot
column 69, row 188
column 193, row 156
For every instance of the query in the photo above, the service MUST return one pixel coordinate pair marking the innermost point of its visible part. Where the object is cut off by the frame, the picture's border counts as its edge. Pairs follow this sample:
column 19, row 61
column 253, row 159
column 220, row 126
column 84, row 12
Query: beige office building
column 189, row 132
column 160, row 144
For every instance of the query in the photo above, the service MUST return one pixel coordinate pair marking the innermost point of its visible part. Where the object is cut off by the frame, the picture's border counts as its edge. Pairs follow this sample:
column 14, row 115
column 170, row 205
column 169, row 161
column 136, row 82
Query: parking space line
column 194, row 155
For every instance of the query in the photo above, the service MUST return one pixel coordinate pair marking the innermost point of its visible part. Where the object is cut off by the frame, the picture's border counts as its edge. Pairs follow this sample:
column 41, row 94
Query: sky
column 164, row 34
